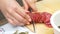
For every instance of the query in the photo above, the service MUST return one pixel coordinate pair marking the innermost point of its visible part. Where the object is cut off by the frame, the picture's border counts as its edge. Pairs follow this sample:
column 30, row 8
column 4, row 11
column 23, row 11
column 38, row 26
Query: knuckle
column 25, row 16
column 14, row 8
column 21, row 24
column 9, row 10
column 23, row 20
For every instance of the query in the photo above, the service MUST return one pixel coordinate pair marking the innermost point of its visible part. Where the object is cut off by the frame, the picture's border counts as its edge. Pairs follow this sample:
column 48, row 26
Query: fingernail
column 28, row 23
column 29, row 19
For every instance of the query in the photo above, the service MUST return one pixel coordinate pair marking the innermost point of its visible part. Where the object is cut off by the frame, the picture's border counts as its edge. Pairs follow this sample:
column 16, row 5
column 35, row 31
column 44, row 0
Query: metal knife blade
column 33, row 23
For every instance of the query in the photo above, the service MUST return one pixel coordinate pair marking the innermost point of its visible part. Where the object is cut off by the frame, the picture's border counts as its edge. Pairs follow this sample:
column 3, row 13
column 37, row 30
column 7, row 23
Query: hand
column 30, row 3
column 14, row 13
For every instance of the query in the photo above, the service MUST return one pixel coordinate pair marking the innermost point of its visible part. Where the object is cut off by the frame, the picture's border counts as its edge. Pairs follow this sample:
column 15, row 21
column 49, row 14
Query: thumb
column 31, row 3
column 25, row 5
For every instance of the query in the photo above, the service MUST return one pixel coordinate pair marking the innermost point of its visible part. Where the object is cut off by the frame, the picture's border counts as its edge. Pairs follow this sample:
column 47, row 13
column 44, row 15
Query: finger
column 22, row 12
column 11, row 19
column 31, row 3
column 15, row 21
column 25, row 5
column 18, row 17
column 11, row 22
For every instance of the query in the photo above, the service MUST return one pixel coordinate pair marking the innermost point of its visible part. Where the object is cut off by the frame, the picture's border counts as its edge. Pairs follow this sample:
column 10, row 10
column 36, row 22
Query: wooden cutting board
column 49, row 6
column 41, row 29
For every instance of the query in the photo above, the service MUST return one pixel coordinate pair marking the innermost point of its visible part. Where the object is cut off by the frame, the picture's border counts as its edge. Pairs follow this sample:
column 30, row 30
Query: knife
column 32, row 22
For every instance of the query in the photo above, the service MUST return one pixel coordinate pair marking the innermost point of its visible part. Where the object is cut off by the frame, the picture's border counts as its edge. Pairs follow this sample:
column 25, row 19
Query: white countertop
column 9, row 29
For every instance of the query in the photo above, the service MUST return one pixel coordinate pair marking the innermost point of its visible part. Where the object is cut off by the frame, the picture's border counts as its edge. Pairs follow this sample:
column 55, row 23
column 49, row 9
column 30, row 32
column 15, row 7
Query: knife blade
column 32, row 22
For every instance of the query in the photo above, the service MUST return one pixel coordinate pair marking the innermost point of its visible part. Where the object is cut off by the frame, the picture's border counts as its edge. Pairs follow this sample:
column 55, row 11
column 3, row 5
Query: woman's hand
column 14, row 13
